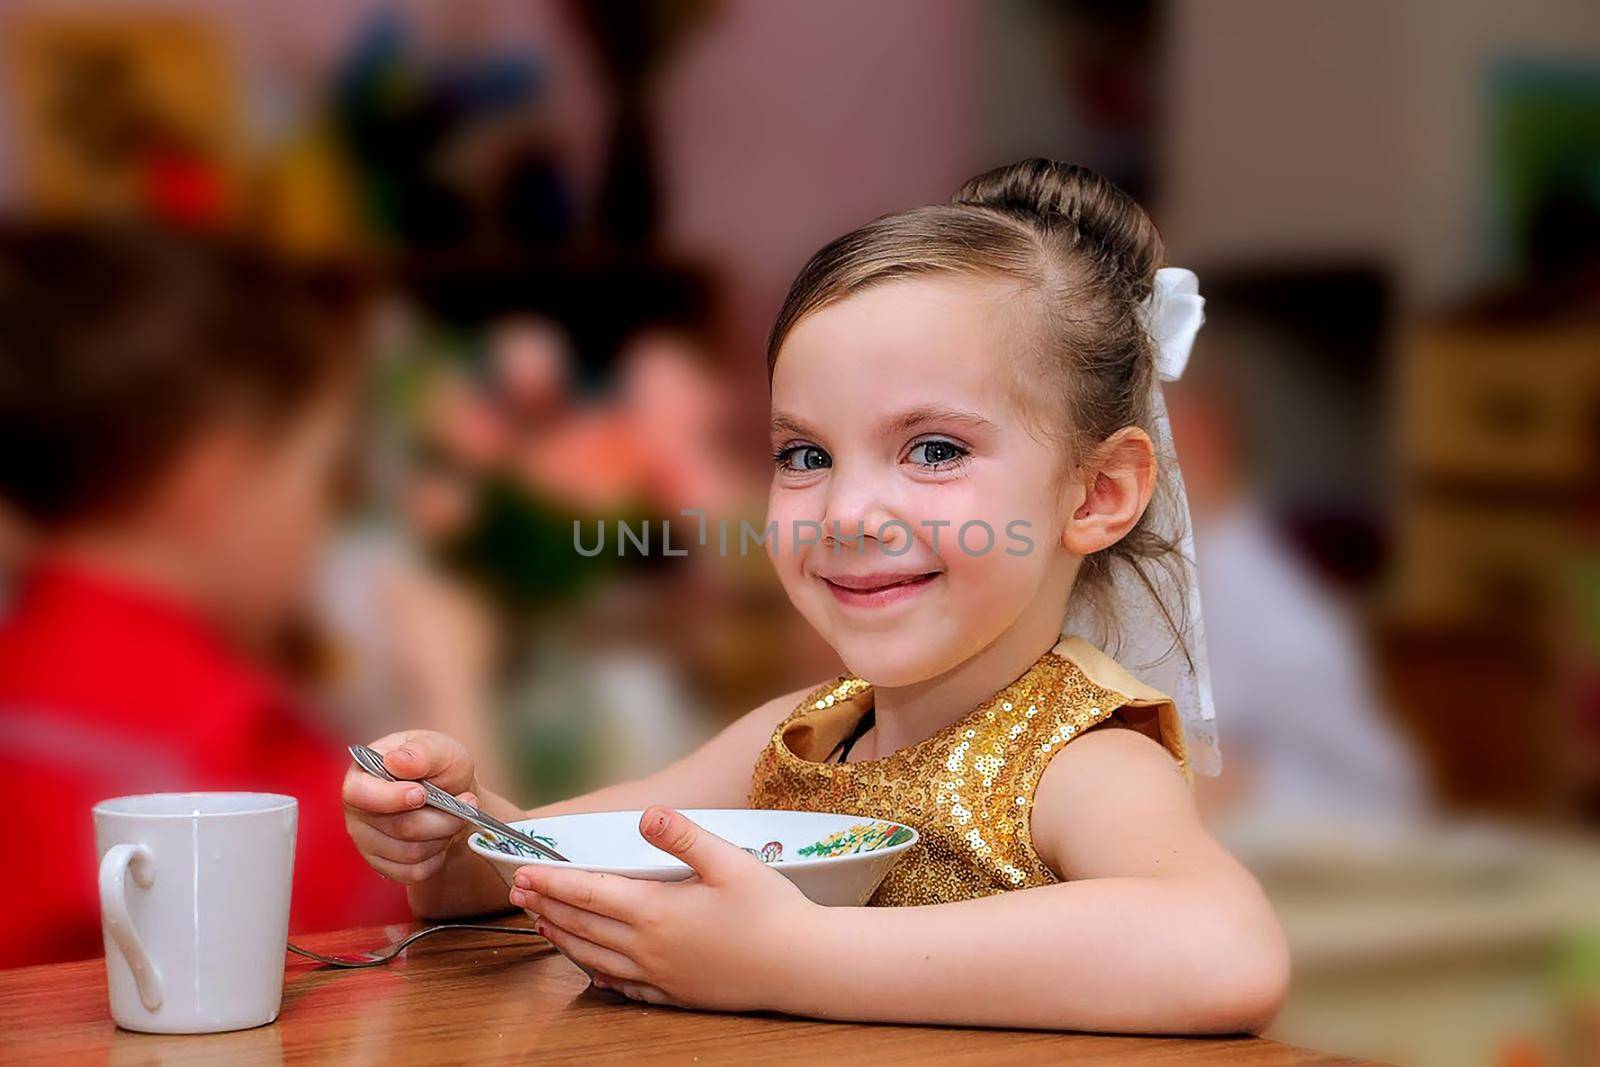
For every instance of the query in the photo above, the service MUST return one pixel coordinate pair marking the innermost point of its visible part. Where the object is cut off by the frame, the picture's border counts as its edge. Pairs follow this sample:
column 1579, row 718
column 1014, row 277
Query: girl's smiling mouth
column 877, row 590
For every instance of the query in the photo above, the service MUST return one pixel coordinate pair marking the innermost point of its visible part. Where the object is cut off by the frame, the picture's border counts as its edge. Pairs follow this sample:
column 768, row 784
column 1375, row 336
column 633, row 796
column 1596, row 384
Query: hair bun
column 1089, row 210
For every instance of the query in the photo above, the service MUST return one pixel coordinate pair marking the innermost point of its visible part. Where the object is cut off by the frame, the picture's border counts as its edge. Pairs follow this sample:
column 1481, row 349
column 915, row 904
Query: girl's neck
column 906, row 715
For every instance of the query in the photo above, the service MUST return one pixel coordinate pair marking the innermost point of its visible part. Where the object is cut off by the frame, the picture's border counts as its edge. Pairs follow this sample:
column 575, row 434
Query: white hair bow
column 1173, row 313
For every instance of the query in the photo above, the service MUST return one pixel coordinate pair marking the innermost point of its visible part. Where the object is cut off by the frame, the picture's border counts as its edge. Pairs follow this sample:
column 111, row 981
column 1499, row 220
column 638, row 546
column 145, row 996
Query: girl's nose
column 858, row 520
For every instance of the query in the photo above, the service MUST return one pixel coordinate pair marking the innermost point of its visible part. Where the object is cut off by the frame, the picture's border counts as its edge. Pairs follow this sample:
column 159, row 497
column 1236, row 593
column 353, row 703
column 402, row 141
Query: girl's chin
column 903, row 657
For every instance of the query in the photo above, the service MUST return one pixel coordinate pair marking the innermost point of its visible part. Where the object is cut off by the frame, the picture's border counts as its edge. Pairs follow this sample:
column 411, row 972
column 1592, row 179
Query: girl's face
column 895, row 412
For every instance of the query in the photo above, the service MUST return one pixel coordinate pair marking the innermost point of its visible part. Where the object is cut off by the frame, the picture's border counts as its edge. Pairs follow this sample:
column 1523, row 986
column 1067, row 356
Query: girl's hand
column 396, row 834
column 721, row 940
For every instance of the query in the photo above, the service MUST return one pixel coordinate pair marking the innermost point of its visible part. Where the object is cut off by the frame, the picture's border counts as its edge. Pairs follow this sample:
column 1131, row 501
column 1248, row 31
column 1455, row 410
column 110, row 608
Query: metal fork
column 384, row 955
column 371, row 762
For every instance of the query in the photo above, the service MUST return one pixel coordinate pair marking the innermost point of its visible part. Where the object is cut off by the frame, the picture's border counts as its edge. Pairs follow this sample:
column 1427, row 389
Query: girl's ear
column 1113, row 487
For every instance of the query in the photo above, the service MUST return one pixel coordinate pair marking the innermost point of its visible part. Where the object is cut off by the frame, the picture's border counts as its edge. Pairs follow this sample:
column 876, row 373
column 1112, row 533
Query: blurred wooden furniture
column 1499, row 439
column 1497, row 426
column 485, row 998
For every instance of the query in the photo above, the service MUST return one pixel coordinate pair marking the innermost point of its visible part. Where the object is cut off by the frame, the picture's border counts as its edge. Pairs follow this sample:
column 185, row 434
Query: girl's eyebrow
column 788, row 424
column 902, row 422
column 910, row 419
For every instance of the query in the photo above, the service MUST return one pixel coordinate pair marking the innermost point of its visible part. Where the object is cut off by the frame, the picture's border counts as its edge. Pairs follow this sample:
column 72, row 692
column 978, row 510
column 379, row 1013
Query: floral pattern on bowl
column 863, row 837
column 514, row 848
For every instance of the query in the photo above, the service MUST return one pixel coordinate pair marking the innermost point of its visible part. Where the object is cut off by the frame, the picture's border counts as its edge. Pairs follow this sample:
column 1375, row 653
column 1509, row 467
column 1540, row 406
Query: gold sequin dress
column 968, row 789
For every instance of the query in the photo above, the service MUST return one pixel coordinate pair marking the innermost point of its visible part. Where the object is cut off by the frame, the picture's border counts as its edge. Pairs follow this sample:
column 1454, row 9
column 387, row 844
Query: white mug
column 194, row 895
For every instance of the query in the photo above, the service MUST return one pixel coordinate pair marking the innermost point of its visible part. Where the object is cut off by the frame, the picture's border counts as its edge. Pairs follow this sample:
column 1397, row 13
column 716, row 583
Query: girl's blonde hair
column 1083, row 256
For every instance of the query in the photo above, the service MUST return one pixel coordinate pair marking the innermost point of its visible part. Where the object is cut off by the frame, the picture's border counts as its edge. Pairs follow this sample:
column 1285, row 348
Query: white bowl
column 833, row 859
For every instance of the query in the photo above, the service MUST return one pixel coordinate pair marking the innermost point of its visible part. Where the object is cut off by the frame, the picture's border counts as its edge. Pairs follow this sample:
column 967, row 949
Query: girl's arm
column 1158, row 928
column 715, row 775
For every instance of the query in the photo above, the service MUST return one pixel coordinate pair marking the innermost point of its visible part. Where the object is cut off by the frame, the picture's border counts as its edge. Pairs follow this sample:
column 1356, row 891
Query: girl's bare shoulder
column 1114, row 802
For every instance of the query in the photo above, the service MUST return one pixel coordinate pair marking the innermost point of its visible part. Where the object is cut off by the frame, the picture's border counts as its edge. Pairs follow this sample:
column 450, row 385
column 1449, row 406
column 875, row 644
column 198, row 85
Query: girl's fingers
column 423, row 824
column 374, row 842
column 363, row 792
column 407, row 873
column 643, row 991
column 397, row 808
column 603, row 894
column 603, row 931
column 424, row 754
column 711, row 857
column 596, row 959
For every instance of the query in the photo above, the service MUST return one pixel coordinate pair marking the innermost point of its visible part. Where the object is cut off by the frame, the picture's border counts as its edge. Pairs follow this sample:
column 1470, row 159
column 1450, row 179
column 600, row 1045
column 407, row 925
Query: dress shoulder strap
column 1147, row 708
column 824, row 717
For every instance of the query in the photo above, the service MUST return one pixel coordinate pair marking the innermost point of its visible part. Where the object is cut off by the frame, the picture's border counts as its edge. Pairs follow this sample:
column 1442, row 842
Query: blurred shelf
column 1478, row 560
column 1493, row 406
column 1499, row 436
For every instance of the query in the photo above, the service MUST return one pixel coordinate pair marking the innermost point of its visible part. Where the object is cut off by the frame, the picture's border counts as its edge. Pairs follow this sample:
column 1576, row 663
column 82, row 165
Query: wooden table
column 480, row 998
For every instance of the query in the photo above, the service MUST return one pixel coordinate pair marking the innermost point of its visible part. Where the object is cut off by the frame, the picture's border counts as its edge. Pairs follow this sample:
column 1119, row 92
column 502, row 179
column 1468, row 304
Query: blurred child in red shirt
column 173, row 417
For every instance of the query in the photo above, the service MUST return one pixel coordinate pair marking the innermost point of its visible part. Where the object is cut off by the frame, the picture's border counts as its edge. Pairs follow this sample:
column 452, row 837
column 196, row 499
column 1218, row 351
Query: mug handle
column 119, row 861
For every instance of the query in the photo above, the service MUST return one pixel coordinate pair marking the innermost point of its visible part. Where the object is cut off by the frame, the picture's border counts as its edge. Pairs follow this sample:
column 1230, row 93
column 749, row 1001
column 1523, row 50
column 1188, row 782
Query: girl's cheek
column 783, row 511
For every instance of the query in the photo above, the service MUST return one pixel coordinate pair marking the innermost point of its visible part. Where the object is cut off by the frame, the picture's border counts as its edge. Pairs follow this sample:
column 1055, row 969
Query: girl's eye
column 937, row 453
column 802, row 458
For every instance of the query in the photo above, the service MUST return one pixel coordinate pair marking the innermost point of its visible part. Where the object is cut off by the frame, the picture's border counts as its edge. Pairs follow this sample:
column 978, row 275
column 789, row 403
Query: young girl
column 986, row 362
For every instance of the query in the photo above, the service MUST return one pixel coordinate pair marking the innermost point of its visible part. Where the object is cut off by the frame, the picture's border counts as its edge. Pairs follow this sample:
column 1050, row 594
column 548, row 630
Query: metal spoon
column 371, row 762
column 384, row 955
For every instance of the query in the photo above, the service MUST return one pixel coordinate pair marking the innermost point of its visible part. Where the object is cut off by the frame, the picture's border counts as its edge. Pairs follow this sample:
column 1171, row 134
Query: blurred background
column 576, row 220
